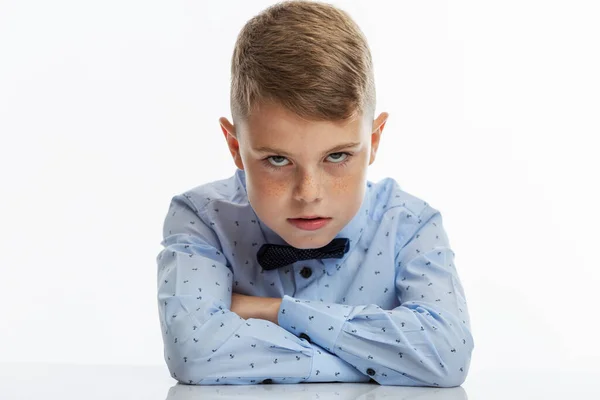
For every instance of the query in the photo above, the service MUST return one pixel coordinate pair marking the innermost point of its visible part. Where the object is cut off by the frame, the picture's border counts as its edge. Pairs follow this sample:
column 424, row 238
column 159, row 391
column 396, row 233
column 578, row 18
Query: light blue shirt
column 392, row 309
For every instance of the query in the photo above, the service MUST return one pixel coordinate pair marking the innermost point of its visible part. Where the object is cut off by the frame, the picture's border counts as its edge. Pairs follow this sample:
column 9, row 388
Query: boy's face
column 302, row 176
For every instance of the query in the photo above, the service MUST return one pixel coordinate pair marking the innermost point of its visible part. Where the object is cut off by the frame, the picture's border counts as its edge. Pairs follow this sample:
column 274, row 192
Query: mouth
column 309, row 223
column 311, row 217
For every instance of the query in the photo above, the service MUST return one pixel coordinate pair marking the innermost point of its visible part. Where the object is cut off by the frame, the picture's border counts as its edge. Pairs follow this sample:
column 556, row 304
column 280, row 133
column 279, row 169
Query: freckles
column 341, row 185
column 273, row 188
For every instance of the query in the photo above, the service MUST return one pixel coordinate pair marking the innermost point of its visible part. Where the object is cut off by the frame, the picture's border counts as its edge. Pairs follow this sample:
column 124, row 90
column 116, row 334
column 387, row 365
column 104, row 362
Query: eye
column 338, row 159
column 341, row 160
column 276, row 157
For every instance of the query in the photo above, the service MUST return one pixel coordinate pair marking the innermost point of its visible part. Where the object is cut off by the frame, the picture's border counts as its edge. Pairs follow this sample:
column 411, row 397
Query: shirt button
column 306, row 272
column 371, row 371
column 305, row 336
column 267, row 381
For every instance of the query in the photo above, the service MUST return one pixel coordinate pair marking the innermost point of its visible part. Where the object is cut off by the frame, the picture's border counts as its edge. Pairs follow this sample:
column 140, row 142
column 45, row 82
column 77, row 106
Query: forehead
column 273, row 124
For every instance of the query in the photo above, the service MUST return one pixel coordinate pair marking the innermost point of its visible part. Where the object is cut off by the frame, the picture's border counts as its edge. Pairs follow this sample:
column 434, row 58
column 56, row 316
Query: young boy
column 297, row 268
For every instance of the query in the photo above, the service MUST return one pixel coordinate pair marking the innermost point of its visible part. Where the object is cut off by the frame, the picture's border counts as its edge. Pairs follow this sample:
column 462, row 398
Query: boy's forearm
column 266, row 308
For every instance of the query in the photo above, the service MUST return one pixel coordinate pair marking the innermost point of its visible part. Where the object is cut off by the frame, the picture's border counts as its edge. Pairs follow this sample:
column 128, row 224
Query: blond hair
column 307, row 56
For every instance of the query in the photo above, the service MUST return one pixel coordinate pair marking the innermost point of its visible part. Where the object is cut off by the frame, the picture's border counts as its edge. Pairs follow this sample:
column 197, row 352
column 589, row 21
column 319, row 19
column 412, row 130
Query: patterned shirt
column 391, row 310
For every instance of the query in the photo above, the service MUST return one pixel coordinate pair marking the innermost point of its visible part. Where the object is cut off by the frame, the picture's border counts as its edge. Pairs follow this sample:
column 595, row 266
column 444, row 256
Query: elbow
column 449, row 371
column 178, row 363
column 450, row 380
column 185, row 375
column 187, row 356
column 454, row 372
column 453, row 368
column 181, row 374
column 192, row 358
column 188, row 344
column 187, row 370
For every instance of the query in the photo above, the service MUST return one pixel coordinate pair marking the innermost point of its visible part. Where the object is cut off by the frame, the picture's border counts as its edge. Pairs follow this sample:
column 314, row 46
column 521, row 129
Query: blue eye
column 343, row 154
column 277, row 159
column 273, row 157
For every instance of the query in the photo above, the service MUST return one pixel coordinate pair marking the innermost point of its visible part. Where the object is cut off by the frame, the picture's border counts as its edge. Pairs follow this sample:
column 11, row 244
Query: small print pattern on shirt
column 391, row 310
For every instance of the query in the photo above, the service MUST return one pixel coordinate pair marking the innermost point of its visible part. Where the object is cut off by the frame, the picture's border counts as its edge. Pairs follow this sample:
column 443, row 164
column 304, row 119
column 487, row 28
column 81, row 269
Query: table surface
column 68, row 381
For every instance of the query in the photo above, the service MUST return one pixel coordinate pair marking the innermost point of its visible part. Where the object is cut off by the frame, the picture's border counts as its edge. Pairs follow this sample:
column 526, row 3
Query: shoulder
column 227, row 190
column 205, row 211
column 388, row 197
column 391, row 204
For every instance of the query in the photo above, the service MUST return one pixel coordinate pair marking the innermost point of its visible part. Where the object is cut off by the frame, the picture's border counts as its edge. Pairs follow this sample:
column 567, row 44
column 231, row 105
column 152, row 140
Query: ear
column 377, row 130
column 232, row 141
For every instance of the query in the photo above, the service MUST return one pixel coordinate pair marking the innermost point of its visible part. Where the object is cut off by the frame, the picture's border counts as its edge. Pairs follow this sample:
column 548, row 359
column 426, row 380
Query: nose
column 309, row 188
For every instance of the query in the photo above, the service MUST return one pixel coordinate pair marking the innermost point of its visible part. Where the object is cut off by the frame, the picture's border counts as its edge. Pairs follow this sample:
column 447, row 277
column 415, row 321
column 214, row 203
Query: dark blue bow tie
column 272, row 256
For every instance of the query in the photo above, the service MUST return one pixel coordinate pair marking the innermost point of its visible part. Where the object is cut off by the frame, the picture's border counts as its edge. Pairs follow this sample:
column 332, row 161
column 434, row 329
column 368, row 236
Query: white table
column 65, row 382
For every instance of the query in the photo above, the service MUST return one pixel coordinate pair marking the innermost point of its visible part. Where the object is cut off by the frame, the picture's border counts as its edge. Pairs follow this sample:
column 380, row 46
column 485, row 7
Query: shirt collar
column 353, row 229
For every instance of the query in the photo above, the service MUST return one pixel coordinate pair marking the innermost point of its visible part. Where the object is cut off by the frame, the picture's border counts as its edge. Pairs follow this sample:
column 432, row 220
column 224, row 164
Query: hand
column 246, row 307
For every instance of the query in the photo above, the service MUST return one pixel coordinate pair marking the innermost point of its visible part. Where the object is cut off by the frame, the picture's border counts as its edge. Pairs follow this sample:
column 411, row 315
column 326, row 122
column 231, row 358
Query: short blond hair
column 307, row 56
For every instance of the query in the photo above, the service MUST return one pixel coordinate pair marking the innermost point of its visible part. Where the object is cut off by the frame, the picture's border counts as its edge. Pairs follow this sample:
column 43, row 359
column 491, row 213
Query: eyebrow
column 266, row 149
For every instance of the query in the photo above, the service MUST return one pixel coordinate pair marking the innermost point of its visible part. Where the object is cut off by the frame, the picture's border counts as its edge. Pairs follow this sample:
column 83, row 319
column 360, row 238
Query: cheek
column 342, row 185
column 273, row 189
column 267, row 189
column 348, row 183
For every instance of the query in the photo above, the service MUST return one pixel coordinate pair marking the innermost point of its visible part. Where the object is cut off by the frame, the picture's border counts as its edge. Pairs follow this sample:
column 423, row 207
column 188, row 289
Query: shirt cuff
column 321, row 322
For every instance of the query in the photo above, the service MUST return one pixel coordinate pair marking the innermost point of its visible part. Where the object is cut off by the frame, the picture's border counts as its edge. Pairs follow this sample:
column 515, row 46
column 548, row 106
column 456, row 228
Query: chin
column 313, row 241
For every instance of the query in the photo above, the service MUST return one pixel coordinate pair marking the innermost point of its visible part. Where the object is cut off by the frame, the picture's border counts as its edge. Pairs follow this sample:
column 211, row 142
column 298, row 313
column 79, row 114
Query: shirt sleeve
column 205, row 342
column 426, row 341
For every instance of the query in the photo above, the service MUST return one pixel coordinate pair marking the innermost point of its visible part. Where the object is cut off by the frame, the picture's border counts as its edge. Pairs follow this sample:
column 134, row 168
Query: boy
column 296, row 268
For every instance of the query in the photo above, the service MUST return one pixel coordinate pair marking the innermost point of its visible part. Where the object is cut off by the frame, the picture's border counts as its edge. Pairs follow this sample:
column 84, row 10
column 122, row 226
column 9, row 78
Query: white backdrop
column 108, row 109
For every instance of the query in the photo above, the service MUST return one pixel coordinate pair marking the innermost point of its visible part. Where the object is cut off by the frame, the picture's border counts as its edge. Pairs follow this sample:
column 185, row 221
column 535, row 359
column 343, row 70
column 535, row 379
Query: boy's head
column 302, row 85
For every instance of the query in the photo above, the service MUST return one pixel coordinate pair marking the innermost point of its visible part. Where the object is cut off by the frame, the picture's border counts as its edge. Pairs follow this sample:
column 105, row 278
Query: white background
column 109, row 108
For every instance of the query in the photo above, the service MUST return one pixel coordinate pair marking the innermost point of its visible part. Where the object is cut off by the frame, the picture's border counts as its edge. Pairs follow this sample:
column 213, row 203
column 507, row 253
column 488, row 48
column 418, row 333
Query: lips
column 308, row 223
